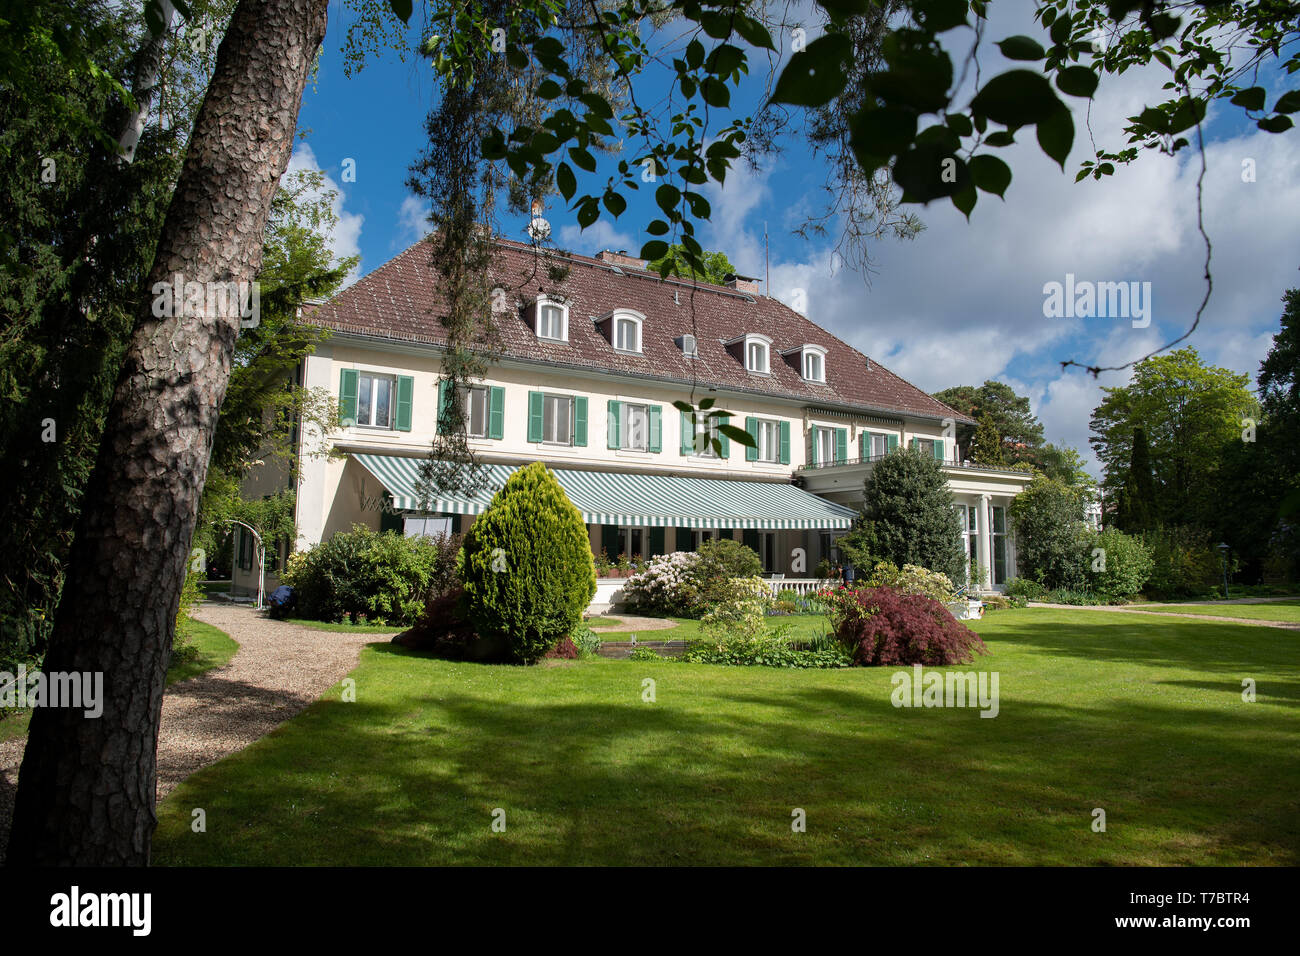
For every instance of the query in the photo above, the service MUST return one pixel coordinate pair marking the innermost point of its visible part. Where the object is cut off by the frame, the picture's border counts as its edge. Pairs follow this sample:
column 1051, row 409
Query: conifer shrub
column 528, row 570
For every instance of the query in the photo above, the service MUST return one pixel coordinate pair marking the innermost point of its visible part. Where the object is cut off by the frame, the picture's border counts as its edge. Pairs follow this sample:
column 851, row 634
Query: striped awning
column 637, row 500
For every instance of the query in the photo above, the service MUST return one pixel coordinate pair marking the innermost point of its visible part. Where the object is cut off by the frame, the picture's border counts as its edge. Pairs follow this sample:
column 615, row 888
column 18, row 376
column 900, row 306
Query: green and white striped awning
column 621, row 499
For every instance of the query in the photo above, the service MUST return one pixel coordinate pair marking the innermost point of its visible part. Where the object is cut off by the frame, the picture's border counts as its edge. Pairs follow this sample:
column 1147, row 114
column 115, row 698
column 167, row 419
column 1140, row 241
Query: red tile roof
column 400, row 301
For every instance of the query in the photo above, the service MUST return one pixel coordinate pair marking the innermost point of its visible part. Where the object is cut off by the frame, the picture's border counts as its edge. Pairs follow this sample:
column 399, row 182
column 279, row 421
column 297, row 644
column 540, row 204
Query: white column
column 984, row 530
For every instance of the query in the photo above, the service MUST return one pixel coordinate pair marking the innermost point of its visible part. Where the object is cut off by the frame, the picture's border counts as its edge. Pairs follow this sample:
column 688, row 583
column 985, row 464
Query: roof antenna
column 767, row 257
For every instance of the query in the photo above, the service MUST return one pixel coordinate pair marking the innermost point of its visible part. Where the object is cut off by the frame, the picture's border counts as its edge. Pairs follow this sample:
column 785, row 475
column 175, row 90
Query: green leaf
column 615, row 203
column 1251, row 99
column 402, row 9
column 964, row 200
column 1020, row 47
column 549, row 90
column 654, row 249
column 1017, row 98
column 668, row 196
column 588, row 213
column 990, row 174
column 1275, row 124
column 694, row 54
column 1001, row 137
column 753, row 32
column 960, row 124
column 1288, row 102
column 725, row 60
column 565, row 181
column 582, row 159
column 929, row 172
column 657, row 227
column 1056, row 134
column 1077, row 81
column 738, row 435
column 816, row 75
column 886, row 131
column 939, row 16
column 715, row 92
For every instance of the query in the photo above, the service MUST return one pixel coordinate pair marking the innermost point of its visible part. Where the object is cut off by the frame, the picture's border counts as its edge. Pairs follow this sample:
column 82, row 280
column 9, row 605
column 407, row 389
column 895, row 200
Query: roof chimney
column 742, row 284
column 621, row 259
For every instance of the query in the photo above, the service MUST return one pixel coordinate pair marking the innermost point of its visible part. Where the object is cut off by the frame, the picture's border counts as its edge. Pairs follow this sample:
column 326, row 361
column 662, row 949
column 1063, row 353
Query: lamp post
column 1223, row 559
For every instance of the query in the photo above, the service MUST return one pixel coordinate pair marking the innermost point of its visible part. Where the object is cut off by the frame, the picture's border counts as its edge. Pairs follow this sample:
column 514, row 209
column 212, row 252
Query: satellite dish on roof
column 539, row 230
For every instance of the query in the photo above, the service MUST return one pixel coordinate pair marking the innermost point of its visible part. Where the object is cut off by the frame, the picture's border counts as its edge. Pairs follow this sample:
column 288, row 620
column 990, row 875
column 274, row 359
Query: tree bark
column 86, row 790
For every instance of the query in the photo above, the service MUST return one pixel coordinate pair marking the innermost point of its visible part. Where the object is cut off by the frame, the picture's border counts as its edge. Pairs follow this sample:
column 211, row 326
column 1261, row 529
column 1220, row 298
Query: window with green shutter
column 656, row 428
column 348, row 397
column 405, row 398
column 785, row 443
column 841, row 444
column 580, row 421
column 893, row 443
column 444, row 386
column 751, row 426
column 536, row 402
column 614, row 435
column 497, row 412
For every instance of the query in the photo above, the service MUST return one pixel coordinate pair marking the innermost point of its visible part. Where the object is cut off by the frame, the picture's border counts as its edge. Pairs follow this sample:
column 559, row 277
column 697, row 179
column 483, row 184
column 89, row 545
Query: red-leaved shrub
column 564, row 649
column 884, row 627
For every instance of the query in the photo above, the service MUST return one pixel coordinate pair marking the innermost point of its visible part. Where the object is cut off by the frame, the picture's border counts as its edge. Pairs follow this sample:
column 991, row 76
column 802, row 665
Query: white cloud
column 597, row 237
column 412, row 221
column 344, row 239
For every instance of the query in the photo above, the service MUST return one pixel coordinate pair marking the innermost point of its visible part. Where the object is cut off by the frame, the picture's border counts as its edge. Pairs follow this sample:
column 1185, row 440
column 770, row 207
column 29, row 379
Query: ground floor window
column 767, row 551
column 999, row 545
column 970, row 540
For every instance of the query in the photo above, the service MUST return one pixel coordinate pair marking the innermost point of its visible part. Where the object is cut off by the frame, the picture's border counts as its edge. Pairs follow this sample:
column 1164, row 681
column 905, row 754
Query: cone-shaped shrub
column 529, row 574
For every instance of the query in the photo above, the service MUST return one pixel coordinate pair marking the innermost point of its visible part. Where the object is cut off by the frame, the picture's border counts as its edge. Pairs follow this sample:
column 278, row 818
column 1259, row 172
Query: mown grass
column 1272, row 611
column 802, row 627
column 349, row 628
column 1140, row 716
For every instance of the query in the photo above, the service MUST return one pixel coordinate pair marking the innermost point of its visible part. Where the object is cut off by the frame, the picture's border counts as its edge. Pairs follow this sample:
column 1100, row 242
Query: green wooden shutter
column 751, row 426
column 656, row 542
column 938, row 449
column 656, row 415
column 536, row 402
column 891, row 443
column 841, row 444
column 864, row 448
column 725, row 450
column 813, row 445
column 911, row 443
column 389, row 521
column 348, row 396
column 405, row 396
column 614, row 436
column 609, row 540
column 497, row 412
column 580, row 421
column 785, row 443
column 688, row 434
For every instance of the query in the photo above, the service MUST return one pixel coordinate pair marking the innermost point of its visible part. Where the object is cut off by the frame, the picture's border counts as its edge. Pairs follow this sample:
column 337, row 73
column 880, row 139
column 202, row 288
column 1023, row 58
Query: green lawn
column 801, row 626
column 1272, row 611
column 349, row 628
column 214, row 648
column 1140, row 716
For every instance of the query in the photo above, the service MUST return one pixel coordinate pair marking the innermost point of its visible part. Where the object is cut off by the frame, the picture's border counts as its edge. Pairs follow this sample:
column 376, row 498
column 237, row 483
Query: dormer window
column 552, row 319
column 627, row 333
column 756, row 356
column 622, row 329
column 753, row 349
column 814, row 363
column 689, row 347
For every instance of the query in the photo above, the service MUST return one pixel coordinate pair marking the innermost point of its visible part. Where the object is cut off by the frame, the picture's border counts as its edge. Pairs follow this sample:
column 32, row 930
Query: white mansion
column 589, row 367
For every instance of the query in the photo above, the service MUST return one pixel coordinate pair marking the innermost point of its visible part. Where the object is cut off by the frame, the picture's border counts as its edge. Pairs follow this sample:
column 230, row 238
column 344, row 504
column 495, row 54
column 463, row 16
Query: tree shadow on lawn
column 1147, row 639
column 707, row 775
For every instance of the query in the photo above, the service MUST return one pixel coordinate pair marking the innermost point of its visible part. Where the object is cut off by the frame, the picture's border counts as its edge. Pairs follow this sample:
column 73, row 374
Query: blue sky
column 963, row 301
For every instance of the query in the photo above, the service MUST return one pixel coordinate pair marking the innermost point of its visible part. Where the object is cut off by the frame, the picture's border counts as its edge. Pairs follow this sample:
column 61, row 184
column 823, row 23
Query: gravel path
column 278, row 670
column 631, row 622
column 1285, row 625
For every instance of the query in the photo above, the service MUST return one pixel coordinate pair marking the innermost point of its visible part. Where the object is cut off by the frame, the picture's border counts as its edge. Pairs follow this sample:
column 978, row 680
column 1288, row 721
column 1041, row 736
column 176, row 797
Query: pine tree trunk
column 86, row 790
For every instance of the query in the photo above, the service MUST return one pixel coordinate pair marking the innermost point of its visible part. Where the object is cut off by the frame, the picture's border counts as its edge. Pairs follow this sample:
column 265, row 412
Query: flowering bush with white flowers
column 669, row 584
column 913, row 579
column 737, row 609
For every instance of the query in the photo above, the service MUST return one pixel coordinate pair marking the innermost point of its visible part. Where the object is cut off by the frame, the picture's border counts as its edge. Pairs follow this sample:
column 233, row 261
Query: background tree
column 717, row 267
column 132, row 544
column 908, row 517
column 986, row 446
column 1065, row 464
column 1051, row 536
column 1185, row 411
column 1019, row 430
column 1136, row 511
